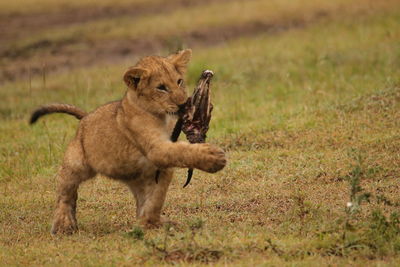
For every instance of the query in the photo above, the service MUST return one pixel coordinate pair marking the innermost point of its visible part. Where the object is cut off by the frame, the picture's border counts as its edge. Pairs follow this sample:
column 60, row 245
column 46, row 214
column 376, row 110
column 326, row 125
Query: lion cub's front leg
column 150, row 197
column 205, row 157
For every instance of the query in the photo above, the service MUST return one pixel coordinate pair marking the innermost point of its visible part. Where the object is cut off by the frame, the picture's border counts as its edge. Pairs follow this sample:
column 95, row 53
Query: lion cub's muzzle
column 179, row 109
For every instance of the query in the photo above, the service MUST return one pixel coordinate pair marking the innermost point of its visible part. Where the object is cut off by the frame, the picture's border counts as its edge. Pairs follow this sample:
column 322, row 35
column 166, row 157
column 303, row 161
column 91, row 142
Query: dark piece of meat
column 194, row 120
column 197, row 115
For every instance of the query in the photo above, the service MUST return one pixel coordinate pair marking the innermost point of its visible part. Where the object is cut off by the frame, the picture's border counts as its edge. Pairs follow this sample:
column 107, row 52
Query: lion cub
column 128, row 140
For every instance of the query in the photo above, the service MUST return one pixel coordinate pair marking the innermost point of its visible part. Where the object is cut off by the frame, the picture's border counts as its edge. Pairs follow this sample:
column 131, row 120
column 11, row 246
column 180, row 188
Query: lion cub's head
column 158, row 82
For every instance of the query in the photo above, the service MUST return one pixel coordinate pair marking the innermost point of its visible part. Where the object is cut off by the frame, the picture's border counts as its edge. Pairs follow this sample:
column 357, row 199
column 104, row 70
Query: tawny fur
column 57, row 108
column 128, row 140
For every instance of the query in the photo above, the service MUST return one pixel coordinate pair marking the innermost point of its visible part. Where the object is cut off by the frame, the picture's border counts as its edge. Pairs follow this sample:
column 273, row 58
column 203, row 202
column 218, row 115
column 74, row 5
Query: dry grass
column 295, row 112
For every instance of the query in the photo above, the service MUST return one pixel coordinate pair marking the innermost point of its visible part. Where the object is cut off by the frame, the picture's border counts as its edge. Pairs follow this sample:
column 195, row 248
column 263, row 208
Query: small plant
column 357, row 194
column 357, row 197
column 377, row 234
column 137, row 233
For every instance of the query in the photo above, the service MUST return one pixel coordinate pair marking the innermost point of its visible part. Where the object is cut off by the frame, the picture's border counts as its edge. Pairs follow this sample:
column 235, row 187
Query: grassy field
column 307, row 106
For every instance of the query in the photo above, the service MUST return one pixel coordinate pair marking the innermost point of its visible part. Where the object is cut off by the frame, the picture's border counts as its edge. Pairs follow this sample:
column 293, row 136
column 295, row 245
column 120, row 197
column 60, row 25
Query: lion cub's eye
column 162, row 87
column 180, row 82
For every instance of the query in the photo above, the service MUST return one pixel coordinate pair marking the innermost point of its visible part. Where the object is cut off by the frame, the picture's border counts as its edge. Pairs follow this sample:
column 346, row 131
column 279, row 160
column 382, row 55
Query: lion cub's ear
column 181, row 60
column 134, row 75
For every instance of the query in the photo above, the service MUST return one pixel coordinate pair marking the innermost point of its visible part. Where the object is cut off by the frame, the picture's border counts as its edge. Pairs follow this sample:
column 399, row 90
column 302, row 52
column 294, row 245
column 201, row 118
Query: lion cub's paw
column 212, row 158
column 64, row 224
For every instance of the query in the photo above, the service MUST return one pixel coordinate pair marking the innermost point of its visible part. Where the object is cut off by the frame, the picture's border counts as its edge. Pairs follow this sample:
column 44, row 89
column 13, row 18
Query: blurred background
column 43, row 36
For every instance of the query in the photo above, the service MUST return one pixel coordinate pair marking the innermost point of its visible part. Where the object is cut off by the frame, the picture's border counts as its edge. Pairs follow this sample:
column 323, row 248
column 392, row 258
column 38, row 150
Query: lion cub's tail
column 57, row 108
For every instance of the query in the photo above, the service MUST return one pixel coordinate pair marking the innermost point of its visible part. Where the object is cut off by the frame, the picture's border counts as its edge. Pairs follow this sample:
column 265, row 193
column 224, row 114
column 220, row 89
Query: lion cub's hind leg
column 73, row 172
column 150, row 197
